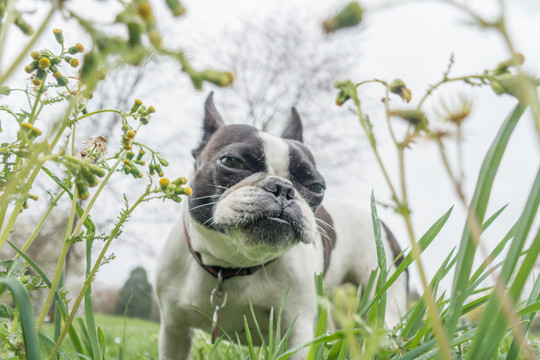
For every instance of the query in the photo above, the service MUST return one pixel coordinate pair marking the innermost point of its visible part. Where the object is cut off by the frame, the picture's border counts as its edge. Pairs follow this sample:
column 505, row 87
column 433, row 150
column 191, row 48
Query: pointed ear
column 293, row 129
column 212, row 121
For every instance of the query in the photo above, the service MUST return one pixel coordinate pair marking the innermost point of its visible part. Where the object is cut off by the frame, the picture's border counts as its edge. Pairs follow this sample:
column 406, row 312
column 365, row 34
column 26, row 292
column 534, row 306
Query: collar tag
column 217, row 293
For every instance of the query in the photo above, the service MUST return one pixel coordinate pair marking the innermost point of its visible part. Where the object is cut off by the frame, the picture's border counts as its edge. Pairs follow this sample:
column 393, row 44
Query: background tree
column 139, row 290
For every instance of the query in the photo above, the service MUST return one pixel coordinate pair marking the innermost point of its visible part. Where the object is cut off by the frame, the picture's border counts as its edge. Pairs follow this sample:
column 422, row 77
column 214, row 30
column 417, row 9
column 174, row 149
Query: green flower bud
column 140, row 154
column 59, row 36
column 158, row 170
column 155, row 38
column 77, row 48
column 351, row 15
column 180, row 181
column 176, row 8
column 41, row 74
column 398, row 87
column 82, row 189
column 163, row 162
column 53, row 69
column 144, row 120
column 347, row 90
column 62, row 80
column 516, row 60
column 415, row 117
column 135, row 30
column 136, row 105
column 23, row 25
column 175, row 198
column 55, row 60
column 139, row 162
column 151, row 169
column 217, row 77
column 130, row 155
column 171, row 188
column 97, row 170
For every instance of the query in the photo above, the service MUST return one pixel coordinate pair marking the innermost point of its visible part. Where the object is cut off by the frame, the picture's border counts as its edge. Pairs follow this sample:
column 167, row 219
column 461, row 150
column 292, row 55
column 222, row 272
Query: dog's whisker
column 203, row 205
column 325, row 223
column 205, row 197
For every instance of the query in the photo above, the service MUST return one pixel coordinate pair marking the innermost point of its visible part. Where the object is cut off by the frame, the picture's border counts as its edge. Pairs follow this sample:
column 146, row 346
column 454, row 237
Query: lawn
column 141, row 337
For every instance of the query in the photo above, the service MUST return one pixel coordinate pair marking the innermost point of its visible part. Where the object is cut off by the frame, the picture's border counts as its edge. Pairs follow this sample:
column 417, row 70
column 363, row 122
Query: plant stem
column 59, row 265
column 92, row 274
column 39, row 226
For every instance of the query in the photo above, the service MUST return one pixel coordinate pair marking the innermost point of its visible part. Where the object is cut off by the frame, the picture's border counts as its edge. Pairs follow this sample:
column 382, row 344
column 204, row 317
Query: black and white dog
column 254, row 228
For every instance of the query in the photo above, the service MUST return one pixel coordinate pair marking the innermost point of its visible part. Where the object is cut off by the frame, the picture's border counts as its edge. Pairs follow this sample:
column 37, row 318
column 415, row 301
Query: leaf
column 26, row 313
column 477, row 208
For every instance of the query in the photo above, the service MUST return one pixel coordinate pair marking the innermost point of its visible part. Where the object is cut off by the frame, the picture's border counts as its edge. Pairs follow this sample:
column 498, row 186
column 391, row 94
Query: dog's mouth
column 276, row 229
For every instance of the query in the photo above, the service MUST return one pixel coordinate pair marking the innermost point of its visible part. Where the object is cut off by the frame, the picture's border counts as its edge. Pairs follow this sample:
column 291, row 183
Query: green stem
column 59, row 265
column 92, row 274
column 28, row 46
column 34, row 113
column 39, row 226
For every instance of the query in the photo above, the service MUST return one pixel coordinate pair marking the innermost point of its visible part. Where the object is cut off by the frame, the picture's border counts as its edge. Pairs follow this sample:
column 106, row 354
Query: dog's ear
column 293, row 129
column 212, row 122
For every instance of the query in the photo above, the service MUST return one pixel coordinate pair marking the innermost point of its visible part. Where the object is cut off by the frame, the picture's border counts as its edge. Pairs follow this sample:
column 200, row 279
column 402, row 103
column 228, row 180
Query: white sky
column 413, row 42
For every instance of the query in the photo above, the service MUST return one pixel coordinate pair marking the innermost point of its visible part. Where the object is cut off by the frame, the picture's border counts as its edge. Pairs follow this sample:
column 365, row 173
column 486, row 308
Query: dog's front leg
column 174, row 342
column 302, row 331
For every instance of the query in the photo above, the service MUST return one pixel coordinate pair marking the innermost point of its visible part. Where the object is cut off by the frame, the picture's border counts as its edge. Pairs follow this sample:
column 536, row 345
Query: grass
column 141, row 337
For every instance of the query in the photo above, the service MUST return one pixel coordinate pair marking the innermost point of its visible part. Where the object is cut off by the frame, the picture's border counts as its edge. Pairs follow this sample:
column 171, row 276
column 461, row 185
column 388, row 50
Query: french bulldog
column 254, row 229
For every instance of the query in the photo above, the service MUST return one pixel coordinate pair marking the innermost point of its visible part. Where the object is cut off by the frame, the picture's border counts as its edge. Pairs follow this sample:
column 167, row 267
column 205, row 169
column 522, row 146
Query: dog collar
column 226, row 273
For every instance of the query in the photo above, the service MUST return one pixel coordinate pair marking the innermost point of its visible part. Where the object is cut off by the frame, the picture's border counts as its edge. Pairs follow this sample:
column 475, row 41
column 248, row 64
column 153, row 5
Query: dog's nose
column 280, row 188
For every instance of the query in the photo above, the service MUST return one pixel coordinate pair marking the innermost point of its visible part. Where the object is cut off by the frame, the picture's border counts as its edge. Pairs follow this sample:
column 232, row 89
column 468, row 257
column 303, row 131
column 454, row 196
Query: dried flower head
column 456, row 111
column 97, row 144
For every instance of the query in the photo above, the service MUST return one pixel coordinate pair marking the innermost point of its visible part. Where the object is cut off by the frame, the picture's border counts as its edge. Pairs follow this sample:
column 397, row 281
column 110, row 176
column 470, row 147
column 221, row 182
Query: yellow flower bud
column 188, row 191
column 74, row 63
column 35, row 55
column 164, row 182
column 79, row 47
column 44, row 63
column 36, row 82
column 131, row 134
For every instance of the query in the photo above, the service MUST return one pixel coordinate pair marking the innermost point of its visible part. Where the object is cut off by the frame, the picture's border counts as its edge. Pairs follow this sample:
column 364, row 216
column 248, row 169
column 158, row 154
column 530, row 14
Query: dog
column 254, row 228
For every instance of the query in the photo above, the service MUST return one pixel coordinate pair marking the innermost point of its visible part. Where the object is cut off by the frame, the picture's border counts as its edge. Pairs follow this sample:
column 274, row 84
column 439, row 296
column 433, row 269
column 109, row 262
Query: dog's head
column 259, row 190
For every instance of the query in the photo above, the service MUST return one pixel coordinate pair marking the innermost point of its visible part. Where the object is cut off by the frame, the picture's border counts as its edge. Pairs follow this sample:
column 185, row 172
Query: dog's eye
column 231, row 162
column 316, row 188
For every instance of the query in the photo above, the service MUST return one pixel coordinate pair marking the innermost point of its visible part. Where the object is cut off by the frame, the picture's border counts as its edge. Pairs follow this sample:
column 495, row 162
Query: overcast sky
column 413, row 42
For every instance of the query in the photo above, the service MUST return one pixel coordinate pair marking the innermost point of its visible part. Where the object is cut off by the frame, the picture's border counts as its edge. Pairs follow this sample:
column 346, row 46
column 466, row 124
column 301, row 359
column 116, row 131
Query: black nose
column 280, row 188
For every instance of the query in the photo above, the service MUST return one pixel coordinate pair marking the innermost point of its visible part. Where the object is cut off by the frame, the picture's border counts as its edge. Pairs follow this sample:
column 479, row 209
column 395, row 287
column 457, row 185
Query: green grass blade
column 258, row 328
column 316, row 351
column 526, row 318
column 478, row 209
column 249, row 340
column 492, row 325
column 423, row 243
column 381, row 262
column 26, row 313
